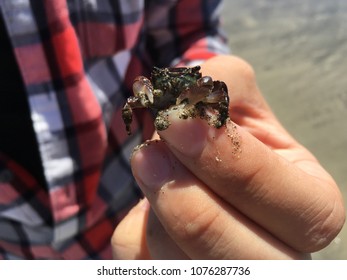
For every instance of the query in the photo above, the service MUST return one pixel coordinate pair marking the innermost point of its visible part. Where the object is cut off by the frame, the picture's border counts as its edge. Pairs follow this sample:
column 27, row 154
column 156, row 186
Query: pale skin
column 245, row 191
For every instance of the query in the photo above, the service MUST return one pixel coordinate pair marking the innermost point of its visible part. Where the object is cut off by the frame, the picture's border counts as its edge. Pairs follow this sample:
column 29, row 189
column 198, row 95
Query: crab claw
column 142, row 88
column 198, row 92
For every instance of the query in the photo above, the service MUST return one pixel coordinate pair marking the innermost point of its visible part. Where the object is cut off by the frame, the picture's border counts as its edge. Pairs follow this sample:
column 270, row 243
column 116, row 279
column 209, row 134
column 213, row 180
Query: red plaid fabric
column 78, row 60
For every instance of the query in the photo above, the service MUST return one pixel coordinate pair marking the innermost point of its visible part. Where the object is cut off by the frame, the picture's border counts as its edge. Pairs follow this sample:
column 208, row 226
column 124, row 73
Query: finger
column 248, row 107
column 293, row 205
column 300, row 205
column 129, row 238
column 160, row 244
column 239, row 78
column 202, row 224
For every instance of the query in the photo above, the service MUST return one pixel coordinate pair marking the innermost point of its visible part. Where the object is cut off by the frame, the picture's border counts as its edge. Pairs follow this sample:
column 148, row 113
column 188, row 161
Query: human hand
column 244, row 191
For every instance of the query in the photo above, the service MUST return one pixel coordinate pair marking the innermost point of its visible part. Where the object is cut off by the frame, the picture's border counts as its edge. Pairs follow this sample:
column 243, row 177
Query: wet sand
column 298, row 49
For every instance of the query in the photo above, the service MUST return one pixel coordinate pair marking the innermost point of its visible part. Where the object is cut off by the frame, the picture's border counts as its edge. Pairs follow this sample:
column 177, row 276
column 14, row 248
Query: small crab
column 183, row 89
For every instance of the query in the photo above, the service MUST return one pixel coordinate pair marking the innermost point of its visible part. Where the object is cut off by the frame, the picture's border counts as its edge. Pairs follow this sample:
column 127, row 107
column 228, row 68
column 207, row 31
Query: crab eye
column 205, row 81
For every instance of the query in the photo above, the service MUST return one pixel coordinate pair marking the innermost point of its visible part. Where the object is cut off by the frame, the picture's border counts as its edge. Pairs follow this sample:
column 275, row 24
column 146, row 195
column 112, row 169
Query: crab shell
column 180, row 89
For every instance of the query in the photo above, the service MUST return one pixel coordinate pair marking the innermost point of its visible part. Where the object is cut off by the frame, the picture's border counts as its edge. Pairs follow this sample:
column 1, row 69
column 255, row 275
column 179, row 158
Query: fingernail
column 151, row 166
column 188, row 136
column 143, row 205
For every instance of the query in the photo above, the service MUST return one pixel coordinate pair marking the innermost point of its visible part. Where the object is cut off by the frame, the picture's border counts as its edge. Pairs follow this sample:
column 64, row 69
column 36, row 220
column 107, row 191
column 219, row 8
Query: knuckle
column 246, row 70
column 198, row 226
column 240, row 67
column 329, row 223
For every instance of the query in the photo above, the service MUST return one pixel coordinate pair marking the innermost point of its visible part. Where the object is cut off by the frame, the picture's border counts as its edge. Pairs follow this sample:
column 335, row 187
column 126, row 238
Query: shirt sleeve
column 185, row 32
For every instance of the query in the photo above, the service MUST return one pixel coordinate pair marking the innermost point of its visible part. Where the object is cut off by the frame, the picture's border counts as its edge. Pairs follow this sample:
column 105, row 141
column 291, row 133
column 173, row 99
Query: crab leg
column 127, row 112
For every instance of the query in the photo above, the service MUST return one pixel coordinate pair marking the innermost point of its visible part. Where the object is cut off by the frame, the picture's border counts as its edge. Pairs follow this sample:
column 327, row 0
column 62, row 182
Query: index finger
column 302, row 210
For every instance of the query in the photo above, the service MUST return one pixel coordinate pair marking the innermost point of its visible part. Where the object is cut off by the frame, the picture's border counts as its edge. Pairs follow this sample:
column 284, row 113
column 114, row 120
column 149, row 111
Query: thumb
column 129, row 238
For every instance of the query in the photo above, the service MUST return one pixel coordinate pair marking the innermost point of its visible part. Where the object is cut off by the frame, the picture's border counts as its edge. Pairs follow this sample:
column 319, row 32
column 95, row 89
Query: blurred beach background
column 298, row 49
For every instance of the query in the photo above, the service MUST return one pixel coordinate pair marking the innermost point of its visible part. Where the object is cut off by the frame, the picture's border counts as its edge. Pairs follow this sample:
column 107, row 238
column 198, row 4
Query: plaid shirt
column 78, row 60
